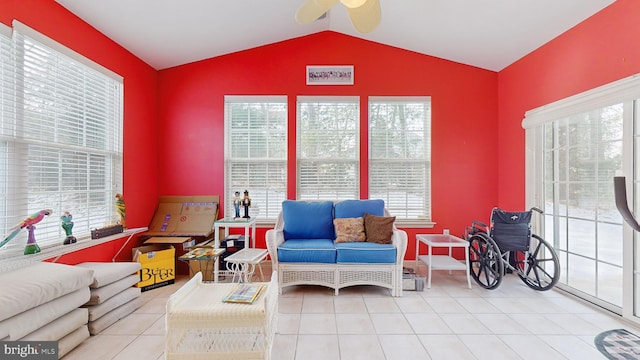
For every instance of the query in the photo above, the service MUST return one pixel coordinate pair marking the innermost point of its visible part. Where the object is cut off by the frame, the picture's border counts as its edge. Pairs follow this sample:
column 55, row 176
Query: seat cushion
column 365, row 253
column 105, row 273
column 39, row 283
column 308, row 219
column 307, row 250
column 357, row 208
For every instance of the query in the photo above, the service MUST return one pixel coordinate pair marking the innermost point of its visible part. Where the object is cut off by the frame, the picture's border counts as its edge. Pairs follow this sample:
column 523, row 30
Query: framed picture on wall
column 330, row 75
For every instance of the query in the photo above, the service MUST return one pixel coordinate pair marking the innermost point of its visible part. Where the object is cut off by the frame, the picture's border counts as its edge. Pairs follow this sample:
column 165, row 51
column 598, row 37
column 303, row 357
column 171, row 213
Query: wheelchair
column 508, row 245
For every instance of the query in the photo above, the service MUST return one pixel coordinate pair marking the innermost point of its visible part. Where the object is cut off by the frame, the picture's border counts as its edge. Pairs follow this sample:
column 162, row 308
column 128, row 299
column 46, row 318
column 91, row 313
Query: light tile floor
column 448, row 321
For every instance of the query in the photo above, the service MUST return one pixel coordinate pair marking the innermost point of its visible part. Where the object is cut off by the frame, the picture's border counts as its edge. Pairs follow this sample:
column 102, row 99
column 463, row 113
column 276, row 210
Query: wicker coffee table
column 201, row 326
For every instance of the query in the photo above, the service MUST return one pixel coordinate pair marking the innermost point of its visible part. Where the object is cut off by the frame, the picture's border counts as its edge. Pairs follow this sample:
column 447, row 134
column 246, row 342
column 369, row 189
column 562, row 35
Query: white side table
column 443, row 262
column 243, row 263
column 228, row 223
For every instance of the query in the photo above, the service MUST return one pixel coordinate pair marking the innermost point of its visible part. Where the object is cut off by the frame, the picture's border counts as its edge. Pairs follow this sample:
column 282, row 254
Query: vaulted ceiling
column 489, row 34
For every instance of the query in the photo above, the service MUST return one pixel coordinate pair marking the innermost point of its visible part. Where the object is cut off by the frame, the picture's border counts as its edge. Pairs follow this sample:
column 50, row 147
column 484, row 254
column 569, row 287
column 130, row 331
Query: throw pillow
column 378, row 229
column 349, row 229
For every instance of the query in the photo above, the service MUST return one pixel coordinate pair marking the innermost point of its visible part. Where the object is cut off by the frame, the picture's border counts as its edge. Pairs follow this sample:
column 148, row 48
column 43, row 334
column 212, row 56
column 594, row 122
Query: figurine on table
column 246, row 202
column 67, row 225
column 237, row 201
column 31, row 247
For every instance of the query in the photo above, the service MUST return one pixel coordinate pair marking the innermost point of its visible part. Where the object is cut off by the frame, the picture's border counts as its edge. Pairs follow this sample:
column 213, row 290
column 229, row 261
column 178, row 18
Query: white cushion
column 105, row 273
column 96, row 311
column 36, row 284
column 114, row 315
column 72, row 340
column 101, row 294
column 60, row 327
column 29, row 321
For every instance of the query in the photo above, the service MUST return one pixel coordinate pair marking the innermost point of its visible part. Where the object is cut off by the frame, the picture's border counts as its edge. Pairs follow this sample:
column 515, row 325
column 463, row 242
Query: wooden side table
column 443, row 262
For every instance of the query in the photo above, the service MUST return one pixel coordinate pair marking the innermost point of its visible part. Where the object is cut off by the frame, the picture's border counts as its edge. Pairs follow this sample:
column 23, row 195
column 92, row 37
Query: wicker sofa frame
column 337, row 275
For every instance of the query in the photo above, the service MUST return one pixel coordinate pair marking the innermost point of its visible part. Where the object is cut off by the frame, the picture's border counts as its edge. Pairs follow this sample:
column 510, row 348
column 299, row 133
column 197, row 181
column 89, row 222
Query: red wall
column 464, row 129
column 597, row 51
column 140, row 186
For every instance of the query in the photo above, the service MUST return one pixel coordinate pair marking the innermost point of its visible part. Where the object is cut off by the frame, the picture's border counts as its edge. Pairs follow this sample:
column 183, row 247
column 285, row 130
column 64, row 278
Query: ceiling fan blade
column 353, row 3
column 311, row 10
column 366, row 17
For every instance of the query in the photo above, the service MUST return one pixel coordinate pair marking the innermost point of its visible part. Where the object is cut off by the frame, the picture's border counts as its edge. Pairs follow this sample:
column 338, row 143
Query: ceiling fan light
column 311, row 10
column 366, row 18
column 352, row 4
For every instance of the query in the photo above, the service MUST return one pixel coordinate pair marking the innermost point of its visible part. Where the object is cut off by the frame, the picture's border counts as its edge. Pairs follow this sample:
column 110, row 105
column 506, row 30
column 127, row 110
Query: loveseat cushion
column 365, row 253
column 308, row 219
column 307, row 250
column 357, row 208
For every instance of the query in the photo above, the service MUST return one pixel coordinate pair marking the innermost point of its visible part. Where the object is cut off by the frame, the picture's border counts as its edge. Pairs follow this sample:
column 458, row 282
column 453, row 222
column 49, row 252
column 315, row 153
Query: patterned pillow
column 378, row 229
column 349, row 229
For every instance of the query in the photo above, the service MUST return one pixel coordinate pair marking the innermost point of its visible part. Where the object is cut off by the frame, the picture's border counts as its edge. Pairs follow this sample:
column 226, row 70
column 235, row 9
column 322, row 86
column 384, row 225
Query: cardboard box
column 184, row 216
column 181, row 245
column 158, row 265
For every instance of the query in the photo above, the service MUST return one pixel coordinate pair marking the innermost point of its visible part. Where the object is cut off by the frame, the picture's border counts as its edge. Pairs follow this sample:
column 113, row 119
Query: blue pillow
column 357, row 208
column 308, row 219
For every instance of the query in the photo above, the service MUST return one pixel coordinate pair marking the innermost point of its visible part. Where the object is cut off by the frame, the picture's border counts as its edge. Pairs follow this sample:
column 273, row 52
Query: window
column 400, row 155
column 60, row 137
column 328, row 146
column 575, row 147
column 256, row 153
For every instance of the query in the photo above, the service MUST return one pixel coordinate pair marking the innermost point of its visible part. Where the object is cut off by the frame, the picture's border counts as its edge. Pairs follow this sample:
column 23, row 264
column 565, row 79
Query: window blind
column 400, row 155
column 256, row 153
column 60, row 140
column 328, row 147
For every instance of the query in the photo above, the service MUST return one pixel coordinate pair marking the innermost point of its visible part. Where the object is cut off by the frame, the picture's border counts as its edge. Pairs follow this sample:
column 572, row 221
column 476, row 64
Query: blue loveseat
column 303, row 247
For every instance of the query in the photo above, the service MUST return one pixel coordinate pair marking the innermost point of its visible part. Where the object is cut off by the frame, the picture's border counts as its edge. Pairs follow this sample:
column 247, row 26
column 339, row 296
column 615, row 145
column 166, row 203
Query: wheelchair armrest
column 478, row 226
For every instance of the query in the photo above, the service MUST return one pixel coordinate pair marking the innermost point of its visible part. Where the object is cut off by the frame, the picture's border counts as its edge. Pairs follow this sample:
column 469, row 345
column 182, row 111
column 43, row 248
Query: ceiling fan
column 364, row 14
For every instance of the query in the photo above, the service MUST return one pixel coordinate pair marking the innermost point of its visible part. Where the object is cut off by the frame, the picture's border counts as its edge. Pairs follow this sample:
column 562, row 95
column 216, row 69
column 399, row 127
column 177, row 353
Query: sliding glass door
column 575, row 147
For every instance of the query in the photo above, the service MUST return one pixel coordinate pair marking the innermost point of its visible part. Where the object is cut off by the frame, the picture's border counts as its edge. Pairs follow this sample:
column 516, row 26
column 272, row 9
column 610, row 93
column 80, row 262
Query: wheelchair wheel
column 540, row 270
column 485, row 262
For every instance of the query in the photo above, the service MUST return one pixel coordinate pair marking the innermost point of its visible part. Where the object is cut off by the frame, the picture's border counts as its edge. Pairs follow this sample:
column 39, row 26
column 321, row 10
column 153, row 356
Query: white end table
column 243, row 263
column 228, row 223
column 443, row 262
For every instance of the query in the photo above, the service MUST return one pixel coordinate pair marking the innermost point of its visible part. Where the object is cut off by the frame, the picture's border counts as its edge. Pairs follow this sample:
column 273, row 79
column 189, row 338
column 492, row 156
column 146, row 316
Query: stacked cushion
column 41, row 302
column 113, row 295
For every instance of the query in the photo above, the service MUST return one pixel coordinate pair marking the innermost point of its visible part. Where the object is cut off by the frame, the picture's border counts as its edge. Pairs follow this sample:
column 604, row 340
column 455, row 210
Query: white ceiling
column 489, row 34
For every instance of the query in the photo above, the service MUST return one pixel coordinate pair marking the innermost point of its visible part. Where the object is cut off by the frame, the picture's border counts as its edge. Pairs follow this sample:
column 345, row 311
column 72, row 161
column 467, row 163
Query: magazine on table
column 244, row 293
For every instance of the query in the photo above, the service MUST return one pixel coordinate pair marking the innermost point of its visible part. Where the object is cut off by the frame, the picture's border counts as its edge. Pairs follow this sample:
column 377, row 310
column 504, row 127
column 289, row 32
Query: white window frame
column 269, row 189
column 345, row 135
column 625, row 91
column 392, row 163
column 18, row 199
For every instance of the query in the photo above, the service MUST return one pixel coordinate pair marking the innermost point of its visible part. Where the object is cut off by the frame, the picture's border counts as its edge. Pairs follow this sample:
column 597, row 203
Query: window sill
column 415, row 224
column 14, row 259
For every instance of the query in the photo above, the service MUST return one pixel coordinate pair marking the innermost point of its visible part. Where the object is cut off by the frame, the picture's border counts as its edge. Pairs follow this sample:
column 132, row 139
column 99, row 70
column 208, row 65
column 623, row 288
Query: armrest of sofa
column 399, row 240
column 275, row 238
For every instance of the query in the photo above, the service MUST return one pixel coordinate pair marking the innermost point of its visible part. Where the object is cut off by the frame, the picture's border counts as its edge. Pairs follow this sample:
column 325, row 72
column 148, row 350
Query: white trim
column 16, row 259
column 26, row 30
column 605, row 95
column 5, row 30
column 255, row 98
column 400, row 99
column 328, row 98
